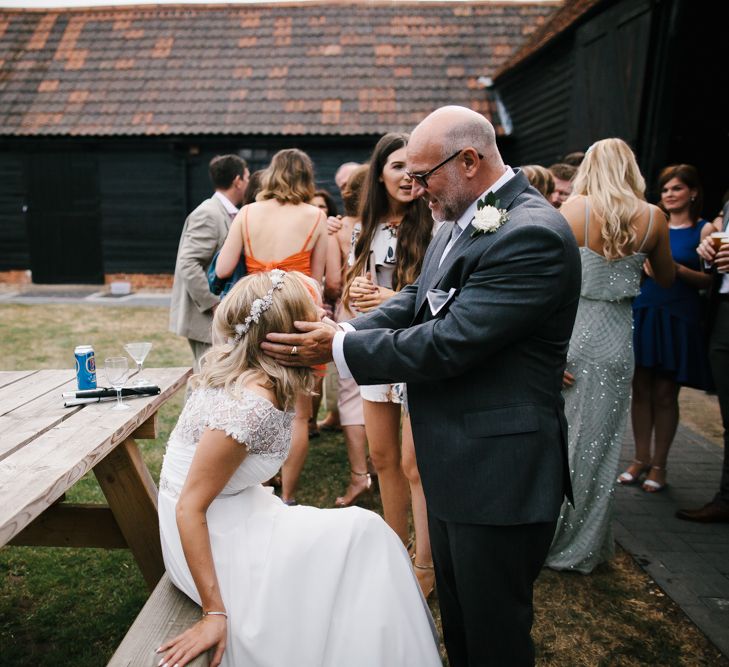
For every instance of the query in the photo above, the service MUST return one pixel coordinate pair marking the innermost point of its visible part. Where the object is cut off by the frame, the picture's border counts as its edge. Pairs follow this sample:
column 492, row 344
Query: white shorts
column 383, row 393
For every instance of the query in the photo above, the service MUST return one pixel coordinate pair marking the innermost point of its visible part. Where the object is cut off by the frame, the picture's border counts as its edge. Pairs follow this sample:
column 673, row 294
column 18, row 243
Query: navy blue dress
column 667, row 334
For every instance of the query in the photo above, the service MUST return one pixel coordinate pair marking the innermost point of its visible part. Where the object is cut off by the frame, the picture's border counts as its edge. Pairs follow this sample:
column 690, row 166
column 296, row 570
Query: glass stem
column 118, row 397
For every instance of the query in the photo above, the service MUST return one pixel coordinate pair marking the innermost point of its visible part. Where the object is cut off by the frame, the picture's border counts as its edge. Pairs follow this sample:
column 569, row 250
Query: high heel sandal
column 367, row 488
column 651, row 486
column 627, row 478
column 429, row 587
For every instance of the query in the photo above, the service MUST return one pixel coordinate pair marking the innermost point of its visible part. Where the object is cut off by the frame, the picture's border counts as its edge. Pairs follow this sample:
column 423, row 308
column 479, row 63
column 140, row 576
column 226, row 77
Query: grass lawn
column 73, row 606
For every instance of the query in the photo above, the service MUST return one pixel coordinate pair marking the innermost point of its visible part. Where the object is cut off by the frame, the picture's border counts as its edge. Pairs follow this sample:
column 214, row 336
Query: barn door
column 64, row 218
column 610, row 63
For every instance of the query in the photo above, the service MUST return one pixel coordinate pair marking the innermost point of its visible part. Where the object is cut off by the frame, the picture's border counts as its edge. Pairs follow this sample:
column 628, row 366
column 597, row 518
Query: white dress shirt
column 229, row 206
column 463, row 222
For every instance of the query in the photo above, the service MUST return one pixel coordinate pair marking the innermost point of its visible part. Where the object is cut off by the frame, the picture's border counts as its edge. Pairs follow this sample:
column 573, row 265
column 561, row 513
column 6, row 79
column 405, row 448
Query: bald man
column 481, row 339
column 344, row 172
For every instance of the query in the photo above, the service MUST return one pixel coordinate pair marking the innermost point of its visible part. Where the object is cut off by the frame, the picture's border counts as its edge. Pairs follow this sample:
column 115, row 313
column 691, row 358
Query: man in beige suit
column 193, row 304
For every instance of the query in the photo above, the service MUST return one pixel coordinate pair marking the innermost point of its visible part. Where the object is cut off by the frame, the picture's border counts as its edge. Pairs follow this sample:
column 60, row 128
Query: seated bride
column 277, row 585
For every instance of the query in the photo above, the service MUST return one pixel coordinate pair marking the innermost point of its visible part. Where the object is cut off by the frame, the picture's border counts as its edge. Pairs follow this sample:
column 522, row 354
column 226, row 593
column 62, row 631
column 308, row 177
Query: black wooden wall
column 642, row 70
column 74, row 210
column 586, row 85
column 14, row 253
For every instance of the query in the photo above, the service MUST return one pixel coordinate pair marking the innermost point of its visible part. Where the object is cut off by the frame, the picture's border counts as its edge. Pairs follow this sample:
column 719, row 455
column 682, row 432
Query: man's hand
column 310, row 348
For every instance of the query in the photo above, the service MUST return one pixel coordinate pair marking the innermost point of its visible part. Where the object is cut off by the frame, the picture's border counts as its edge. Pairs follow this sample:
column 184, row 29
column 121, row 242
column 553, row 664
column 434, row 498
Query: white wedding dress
column 302, row 586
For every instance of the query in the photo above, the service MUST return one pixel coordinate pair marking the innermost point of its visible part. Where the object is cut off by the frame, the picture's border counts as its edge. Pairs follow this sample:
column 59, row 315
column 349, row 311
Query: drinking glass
column 138, row 352
column 117, row 371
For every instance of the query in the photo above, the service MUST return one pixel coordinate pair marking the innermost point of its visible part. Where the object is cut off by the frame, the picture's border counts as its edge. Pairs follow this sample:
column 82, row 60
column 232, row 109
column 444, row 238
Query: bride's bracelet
column 215, row 613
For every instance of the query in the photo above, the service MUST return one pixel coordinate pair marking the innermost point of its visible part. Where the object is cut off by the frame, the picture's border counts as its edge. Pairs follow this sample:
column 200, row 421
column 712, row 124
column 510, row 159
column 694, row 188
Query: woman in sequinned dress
column 616, row 231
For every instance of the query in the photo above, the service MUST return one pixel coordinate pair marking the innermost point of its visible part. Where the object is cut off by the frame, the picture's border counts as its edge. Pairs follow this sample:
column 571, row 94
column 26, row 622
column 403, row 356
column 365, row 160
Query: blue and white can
column 85, row 367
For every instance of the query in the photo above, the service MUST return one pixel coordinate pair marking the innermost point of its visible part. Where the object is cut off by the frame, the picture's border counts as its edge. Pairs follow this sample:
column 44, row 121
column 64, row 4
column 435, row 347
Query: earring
column 693, row 199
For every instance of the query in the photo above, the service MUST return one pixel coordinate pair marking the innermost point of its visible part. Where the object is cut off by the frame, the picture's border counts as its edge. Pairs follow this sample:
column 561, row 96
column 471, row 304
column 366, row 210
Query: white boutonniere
column 489, row 217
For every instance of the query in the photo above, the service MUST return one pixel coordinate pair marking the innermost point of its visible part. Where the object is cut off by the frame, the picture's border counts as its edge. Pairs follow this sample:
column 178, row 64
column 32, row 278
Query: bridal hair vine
column 259, row 306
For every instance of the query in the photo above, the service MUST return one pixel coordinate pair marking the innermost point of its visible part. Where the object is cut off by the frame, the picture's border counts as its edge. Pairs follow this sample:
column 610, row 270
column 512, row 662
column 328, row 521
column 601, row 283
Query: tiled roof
column 338, row 67
column 562, row 19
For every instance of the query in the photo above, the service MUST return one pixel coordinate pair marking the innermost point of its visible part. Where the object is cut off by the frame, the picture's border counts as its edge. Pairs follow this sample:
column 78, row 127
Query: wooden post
column 132, row 497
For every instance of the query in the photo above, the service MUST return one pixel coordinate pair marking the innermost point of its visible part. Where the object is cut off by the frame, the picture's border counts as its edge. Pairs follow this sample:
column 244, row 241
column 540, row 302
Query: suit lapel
column 430, row 265
column 506, row 196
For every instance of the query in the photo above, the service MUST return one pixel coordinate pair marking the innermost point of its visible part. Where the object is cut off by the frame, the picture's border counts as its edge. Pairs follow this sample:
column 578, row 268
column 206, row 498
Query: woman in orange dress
column 280, row 230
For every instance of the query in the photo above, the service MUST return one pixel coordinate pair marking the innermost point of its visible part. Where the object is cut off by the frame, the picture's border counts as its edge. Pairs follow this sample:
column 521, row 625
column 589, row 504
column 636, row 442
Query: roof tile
column 345, row 67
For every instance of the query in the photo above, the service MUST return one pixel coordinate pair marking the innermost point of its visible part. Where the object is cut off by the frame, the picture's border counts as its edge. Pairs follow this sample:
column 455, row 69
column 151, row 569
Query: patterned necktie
column 455, row 232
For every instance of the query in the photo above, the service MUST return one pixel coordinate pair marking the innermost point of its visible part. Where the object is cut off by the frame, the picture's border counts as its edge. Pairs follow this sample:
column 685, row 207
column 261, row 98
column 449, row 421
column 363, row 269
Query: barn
column 109, row 116
column 642, row 70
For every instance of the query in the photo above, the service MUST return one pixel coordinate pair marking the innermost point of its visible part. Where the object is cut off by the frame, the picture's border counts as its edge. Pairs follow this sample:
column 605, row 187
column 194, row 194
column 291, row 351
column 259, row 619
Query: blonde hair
column 231, row 364
column 610, row 177
column 539, row 178
column 289, row 179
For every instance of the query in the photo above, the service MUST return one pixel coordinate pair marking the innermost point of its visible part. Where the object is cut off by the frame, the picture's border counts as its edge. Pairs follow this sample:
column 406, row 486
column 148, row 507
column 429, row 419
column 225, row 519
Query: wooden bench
column 167, row 613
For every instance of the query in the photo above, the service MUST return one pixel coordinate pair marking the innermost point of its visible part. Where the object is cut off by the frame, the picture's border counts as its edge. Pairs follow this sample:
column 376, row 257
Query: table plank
column 26, row 389
column 8, row 377
column 40, row 472
column 24, row 424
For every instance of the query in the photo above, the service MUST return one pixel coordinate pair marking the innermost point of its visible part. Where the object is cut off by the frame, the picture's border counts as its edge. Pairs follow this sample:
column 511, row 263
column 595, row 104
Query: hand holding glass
column 138, row 352
column 116, row 370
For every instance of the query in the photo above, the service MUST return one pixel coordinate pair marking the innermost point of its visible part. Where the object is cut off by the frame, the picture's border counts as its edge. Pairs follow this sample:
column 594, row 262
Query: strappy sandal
column 651, row 486
column 342, row 501
column 421, row 572
column 627, row 478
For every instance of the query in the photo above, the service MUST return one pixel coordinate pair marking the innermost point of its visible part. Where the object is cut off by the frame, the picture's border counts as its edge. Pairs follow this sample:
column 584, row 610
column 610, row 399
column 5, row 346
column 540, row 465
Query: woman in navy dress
column 668, row 340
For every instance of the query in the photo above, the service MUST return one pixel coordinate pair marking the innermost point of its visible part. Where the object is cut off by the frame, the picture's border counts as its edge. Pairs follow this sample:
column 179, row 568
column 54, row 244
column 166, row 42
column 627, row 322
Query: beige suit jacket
column 192, row 301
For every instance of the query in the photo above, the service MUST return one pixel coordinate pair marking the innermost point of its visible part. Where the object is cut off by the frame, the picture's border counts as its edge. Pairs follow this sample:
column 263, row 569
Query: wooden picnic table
column 45, row 448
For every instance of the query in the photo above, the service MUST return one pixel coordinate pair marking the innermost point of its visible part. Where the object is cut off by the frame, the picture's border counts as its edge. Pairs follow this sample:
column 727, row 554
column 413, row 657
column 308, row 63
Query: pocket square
column 437, row 299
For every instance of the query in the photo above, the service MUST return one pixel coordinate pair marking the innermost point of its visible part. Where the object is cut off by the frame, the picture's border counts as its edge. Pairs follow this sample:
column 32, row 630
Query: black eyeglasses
column 422, row 178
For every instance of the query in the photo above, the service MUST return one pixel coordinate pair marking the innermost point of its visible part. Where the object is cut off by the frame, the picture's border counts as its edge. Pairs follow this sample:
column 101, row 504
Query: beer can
column 85, row 367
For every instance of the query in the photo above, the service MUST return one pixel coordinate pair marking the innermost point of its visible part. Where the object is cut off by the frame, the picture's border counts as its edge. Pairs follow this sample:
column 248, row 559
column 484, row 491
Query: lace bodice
column 250, row 419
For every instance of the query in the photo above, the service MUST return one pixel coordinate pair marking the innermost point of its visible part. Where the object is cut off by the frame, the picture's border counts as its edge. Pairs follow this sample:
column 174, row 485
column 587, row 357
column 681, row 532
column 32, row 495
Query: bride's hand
column 209, row 632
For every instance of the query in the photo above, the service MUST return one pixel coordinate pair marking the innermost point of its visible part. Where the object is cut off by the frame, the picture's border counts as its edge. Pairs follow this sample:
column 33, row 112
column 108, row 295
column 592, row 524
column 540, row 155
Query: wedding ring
column 293, row 350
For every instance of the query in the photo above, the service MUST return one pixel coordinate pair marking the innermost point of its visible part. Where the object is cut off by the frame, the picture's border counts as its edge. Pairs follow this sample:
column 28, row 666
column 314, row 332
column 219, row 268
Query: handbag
column 221, row 286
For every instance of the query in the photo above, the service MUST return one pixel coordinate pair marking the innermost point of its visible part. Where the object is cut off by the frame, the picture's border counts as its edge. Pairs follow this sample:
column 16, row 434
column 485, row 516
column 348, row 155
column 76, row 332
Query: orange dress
column 299, row 261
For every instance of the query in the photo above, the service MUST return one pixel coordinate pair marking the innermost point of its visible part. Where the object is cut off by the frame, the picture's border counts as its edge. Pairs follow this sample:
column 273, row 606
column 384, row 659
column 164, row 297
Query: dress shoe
column 710, row 513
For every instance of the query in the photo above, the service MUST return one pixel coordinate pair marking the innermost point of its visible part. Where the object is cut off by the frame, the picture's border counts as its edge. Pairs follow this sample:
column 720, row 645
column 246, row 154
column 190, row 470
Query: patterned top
column 250, row 419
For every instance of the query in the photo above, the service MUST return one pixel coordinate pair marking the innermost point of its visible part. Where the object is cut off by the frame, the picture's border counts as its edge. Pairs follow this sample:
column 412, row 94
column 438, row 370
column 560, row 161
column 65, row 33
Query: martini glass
column 117, row 372
column 138, row 352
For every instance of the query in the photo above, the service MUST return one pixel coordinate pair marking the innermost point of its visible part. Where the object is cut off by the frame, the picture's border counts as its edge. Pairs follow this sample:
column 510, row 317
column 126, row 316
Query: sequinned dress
column 600, row 358
column 301, row 586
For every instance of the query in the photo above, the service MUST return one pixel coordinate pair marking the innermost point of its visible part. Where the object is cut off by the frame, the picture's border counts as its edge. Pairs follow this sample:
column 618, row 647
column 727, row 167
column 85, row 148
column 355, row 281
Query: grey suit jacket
column 484, row 375
column 202, row 236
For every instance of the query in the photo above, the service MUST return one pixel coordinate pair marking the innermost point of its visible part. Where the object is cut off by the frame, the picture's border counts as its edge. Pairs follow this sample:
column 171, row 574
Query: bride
column 277, row 585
